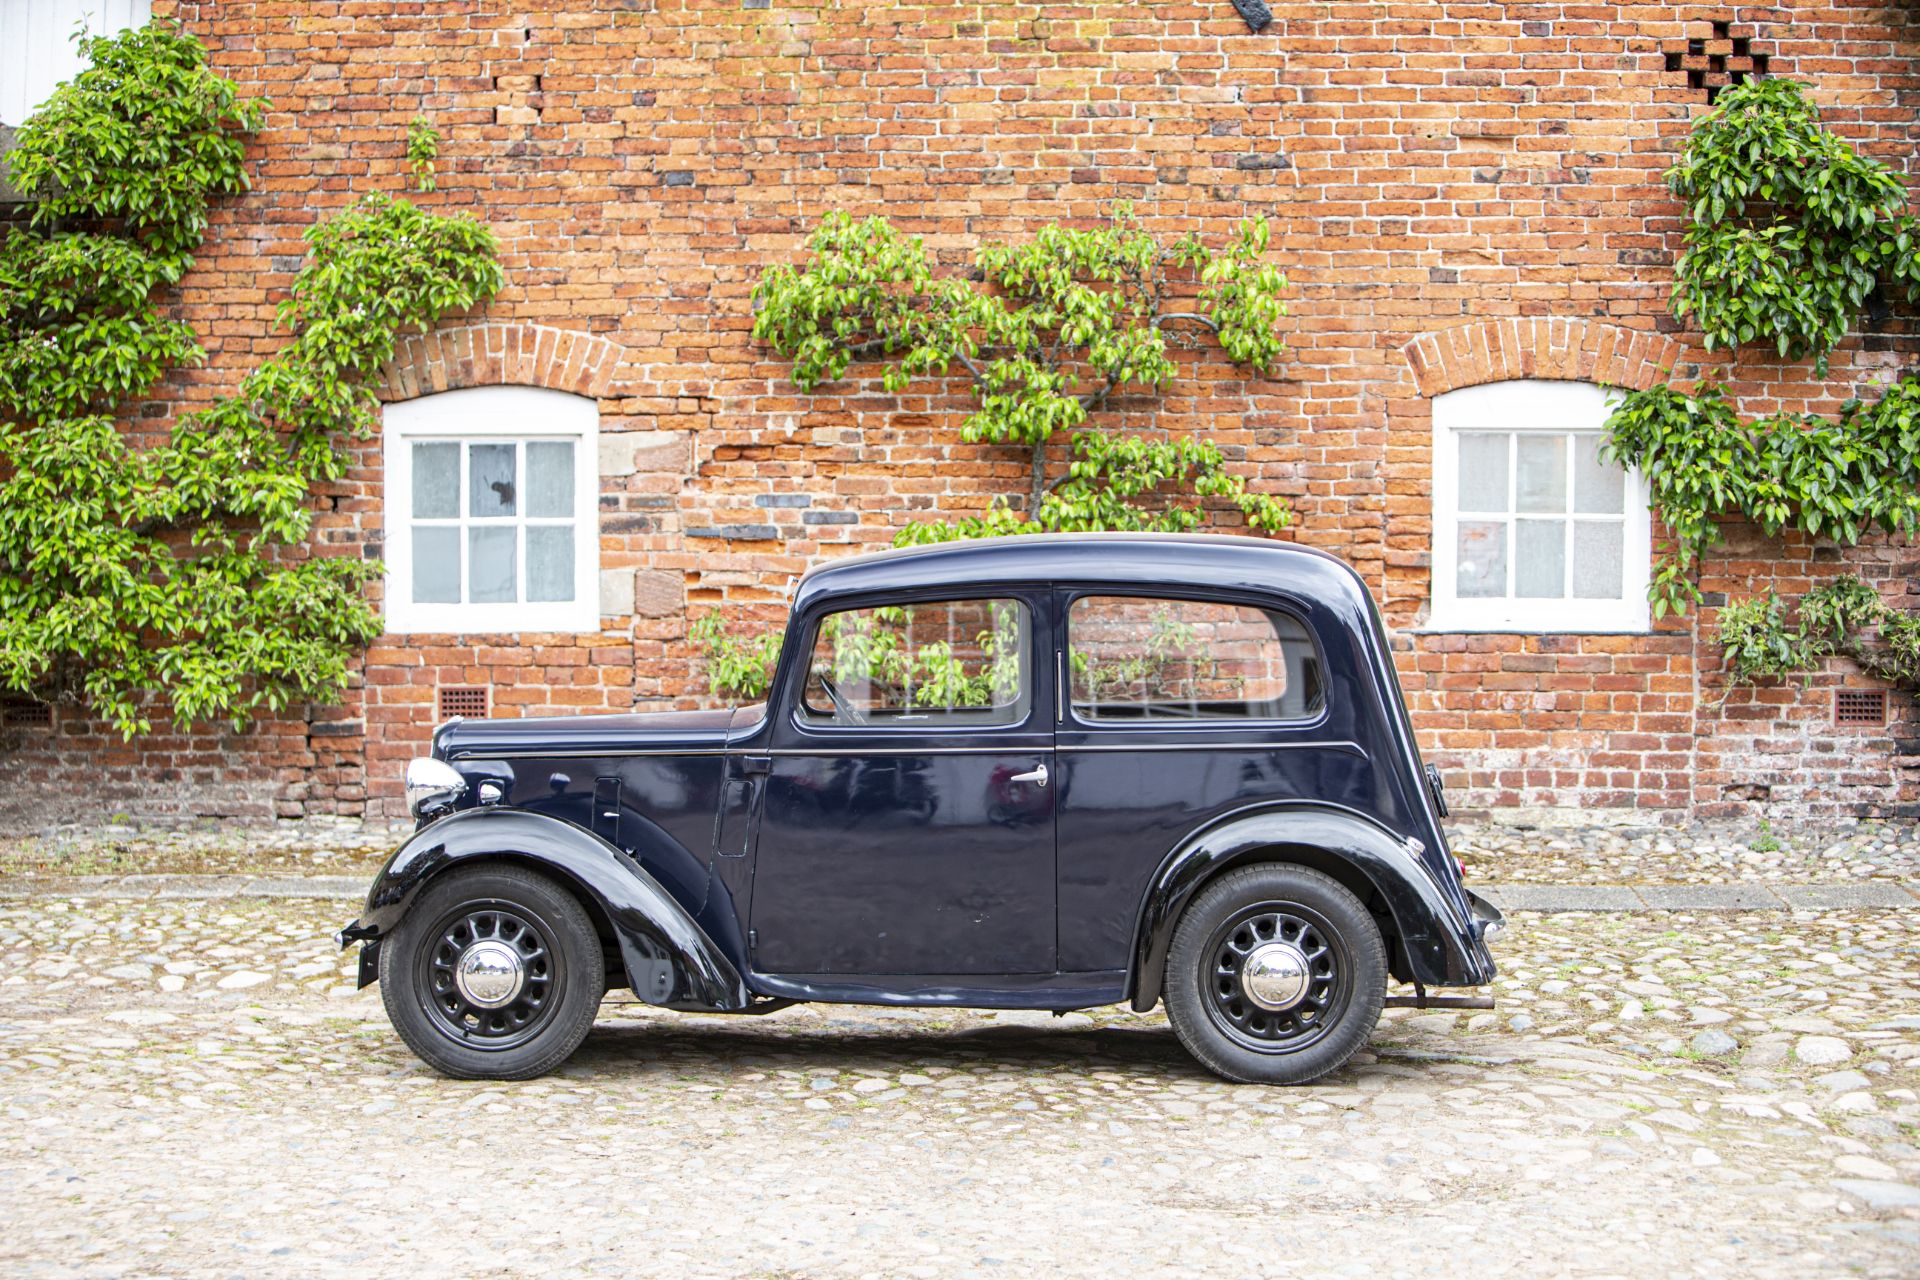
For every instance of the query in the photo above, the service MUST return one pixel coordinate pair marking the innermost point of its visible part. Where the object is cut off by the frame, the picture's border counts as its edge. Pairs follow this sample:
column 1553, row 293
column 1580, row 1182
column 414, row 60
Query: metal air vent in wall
column 1859, row 706
column 464, row 700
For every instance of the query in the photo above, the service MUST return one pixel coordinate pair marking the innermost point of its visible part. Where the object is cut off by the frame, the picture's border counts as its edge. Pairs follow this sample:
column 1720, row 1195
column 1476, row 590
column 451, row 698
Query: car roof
column 1117, row 559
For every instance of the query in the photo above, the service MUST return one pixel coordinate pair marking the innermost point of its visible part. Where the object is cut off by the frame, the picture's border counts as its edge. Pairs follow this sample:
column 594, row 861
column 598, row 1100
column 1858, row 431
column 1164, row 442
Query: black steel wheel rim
column 1329, row 988
column 474, row 1026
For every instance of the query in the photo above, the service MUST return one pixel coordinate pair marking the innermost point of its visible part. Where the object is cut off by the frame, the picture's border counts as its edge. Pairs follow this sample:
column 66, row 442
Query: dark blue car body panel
column 881, row 864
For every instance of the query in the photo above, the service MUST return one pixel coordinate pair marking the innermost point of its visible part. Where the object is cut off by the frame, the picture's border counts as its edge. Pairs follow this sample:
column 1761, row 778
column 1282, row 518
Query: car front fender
column 669, row 959
column 1440, row 944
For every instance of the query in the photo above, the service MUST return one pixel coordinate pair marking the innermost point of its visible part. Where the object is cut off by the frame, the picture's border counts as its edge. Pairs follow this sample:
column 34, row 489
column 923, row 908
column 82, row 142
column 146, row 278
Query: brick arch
column 501, row 353
column 1551, row 347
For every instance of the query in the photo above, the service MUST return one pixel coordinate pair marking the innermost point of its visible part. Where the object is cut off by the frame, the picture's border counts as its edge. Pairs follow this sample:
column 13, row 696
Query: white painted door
column 37, row 50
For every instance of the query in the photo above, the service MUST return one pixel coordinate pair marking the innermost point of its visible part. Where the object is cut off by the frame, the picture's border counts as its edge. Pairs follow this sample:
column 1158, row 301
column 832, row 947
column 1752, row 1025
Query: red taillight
column 1461, row 863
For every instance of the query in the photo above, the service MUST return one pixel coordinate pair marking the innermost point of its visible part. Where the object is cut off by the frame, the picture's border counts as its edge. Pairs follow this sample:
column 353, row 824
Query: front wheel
column 496, row 973
column 1276, row 975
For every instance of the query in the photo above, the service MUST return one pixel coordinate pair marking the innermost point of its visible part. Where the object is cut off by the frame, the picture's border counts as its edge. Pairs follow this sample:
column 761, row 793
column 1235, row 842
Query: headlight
column 432, row 786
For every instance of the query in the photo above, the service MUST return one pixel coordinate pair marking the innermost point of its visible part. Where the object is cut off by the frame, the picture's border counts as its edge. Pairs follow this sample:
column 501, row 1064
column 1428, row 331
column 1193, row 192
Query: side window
column 1139, row 659
column 952, row 663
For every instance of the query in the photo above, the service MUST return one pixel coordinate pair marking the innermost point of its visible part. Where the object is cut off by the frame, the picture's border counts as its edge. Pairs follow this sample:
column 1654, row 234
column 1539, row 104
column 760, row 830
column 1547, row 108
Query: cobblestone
column 194, row 1087
column 1711, row 853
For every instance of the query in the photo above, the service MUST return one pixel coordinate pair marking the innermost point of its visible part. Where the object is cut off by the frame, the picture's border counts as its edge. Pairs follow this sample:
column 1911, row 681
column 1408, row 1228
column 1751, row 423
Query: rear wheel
column 1276, row 975
column 495, row 974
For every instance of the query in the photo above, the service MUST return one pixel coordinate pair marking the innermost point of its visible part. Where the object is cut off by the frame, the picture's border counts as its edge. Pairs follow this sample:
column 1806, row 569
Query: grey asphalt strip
column 1508, row 897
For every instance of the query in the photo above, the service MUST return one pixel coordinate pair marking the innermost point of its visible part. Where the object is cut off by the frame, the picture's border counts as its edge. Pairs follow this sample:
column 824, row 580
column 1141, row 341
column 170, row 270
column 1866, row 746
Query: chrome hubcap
column 490, row 974
column 1275, row 976
column 1279, row 979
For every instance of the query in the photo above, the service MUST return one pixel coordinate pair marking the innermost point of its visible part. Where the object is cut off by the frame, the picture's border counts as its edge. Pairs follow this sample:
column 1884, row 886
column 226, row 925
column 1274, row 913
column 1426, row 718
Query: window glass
column 491, row 572
column 1483, row 471
column 951, row 662
column 1533, row 551
column 1482, row 558
column 498, row 531
column 1599, row 488
column 1134, row 658
column 550, row 478
column 490, row 472
column 436, row 565
column 436, row 481
column 549, row 562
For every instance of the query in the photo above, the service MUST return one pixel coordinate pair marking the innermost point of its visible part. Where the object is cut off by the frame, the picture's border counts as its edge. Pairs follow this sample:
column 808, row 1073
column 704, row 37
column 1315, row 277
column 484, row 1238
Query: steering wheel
column 843, row 709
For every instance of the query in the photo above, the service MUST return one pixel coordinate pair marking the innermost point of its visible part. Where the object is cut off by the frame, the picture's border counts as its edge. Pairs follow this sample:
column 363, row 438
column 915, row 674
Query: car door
column 1181, row 706
column 907, row 825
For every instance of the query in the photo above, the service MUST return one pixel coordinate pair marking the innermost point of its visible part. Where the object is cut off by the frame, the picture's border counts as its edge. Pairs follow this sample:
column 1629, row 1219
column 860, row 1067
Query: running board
column 1425, row 1001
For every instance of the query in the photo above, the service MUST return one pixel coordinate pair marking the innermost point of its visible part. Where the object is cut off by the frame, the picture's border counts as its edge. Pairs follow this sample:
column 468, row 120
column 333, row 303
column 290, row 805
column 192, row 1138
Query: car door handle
column 1038, row 777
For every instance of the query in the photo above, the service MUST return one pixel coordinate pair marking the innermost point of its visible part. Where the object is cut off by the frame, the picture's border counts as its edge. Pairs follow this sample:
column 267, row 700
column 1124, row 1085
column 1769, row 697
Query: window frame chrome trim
column 1004, row 748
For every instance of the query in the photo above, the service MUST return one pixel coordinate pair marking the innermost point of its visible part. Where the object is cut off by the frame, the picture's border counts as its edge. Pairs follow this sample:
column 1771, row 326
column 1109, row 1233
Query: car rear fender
column 669, row 958
column 1435, row 944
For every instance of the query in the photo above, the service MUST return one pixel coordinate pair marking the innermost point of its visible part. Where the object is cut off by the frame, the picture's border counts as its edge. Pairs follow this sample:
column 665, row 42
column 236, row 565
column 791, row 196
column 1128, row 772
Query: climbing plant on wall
column 1789, row 229
column 1764, row 639
column 1046, row 332
column 178, row 572
column 1837, row 479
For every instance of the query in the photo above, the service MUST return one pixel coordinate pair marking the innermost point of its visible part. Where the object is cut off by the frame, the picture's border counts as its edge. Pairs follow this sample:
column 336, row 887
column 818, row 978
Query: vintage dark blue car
column 1027, row 773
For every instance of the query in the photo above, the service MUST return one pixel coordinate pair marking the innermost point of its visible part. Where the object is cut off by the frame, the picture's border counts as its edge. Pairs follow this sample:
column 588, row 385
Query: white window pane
column 436, row 481
column 1482, row 559
column 549, row 478
column 436, row 565
column 1539, row 559
column 1598, row 487
column 490, row 485
column 1483, row 471
column 1597, row 555
column 1541, row 464
column 492, row 572
column 549, row 559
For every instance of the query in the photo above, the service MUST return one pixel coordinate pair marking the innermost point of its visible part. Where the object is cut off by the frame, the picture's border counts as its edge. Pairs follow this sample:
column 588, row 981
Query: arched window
column 1531, row 530
column 492, row 501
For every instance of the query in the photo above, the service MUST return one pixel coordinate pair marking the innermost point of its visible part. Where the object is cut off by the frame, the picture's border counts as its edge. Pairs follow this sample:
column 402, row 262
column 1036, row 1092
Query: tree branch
column 1196, row 317
column 1094, row 399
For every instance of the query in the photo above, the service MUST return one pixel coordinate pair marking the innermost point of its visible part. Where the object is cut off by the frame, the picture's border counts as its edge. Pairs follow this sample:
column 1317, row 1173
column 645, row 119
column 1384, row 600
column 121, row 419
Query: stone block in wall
column 625, row 453
column 657, row 594
column 616, row 593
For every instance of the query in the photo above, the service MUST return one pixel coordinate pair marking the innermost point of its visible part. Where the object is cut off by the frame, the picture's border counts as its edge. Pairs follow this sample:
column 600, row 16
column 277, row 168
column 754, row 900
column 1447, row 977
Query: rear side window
column 1135, row 658
column 948, row 663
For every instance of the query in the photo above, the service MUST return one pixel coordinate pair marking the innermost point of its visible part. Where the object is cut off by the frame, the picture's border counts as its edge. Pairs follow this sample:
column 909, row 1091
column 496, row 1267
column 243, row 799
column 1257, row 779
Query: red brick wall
column 1429, row 167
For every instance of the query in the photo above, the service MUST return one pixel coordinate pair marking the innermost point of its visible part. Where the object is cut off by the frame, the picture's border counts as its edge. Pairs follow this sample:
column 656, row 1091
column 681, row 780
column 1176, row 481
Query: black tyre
column 1276, row 975
column 496, row 973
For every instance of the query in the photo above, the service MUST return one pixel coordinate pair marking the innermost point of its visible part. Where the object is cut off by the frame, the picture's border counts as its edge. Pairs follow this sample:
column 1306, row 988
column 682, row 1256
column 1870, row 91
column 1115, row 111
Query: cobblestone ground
column 1707, row 853
column 193, row 1088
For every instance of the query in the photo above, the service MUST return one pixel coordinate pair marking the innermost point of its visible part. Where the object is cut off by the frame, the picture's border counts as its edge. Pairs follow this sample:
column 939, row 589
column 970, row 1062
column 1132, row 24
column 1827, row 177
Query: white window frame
column 37, row 52
column 1544, row 407
column 520, row 414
